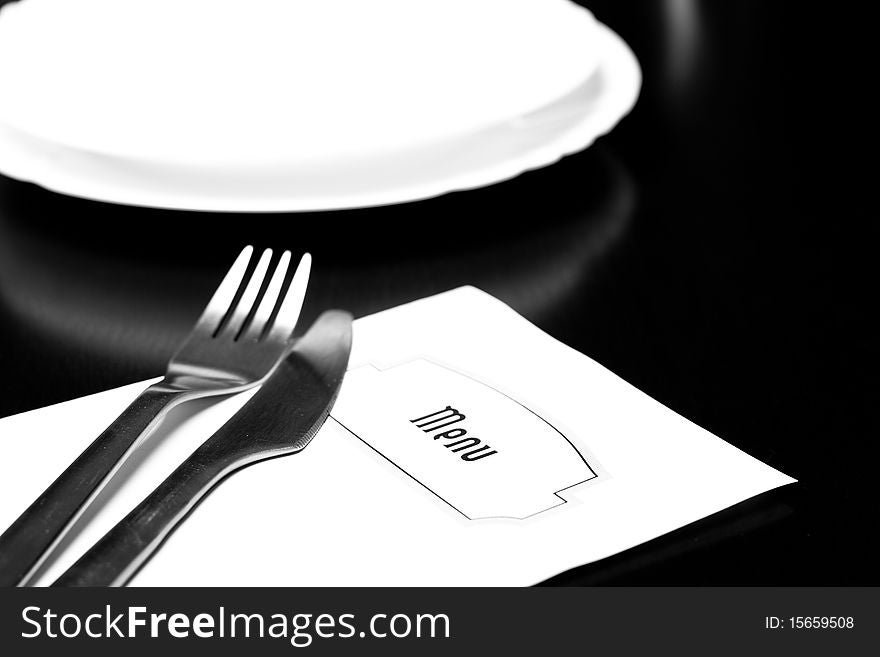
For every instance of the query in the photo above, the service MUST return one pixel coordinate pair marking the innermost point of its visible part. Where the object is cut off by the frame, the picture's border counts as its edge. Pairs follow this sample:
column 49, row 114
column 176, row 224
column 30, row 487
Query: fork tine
column 291, row 304
column 224, row 295
column 264, row 312
column 246, row 303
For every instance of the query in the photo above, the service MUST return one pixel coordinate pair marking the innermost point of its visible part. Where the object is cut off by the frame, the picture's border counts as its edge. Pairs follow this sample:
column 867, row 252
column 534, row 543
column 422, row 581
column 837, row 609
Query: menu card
column 467, row 447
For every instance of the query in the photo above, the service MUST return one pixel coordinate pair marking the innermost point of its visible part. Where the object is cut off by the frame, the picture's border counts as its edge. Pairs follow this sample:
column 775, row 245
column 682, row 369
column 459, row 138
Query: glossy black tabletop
column 713, row 250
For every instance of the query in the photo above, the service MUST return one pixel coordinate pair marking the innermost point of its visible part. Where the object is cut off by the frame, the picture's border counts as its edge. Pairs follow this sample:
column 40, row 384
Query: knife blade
column 280, row 419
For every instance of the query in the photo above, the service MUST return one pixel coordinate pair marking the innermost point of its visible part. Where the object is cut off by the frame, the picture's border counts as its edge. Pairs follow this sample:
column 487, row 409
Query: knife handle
column 28, row 541
column 115, row 559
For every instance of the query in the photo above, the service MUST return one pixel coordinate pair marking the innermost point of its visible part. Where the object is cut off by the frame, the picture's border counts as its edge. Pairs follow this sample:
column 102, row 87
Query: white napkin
column 565, row 463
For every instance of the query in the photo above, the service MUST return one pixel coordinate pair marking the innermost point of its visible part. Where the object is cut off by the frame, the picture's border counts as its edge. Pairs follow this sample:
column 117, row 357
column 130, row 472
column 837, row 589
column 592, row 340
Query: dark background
column 715, row 250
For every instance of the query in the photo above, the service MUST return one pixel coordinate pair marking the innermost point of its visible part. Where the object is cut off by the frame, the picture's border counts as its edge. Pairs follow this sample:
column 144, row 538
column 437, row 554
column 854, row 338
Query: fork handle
column 28, row 541
column 115, row 559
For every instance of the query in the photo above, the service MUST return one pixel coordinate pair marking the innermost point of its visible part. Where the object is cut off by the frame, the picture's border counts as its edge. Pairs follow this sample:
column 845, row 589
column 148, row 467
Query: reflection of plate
column 70, row 289
column 474, row 158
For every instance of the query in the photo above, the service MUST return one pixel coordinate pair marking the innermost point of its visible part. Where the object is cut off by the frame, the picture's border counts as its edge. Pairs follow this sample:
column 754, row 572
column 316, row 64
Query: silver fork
column 237, row 342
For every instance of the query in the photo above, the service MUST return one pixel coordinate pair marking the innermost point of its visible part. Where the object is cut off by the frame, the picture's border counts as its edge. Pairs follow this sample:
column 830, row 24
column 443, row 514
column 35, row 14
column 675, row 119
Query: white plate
column 355, row 148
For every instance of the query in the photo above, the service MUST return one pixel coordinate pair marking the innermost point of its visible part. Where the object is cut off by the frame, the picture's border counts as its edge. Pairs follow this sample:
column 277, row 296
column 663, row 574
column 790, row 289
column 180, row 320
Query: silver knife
column 281, row 418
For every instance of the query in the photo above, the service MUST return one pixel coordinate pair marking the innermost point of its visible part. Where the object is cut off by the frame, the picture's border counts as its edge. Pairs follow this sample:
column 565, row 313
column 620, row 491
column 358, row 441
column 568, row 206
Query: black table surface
column 713, row 250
